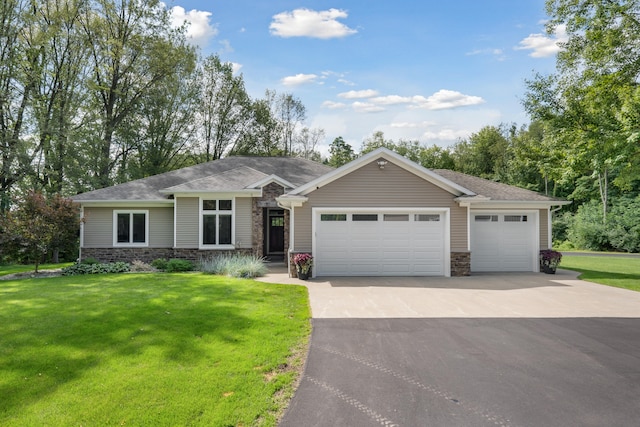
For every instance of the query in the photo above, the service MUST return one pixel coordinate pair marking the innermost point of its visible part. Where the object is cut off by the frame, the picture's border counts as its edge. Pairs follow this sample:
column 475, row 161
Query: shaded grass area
column 149, row 349
column 18, row 268
column 612, row 271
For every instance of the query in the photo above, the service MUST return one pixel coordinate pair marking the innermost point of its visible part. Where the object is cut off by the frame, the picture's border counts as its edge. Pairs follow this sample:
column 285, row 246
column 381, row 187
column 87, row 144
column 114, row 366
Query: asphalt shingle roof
column 491, row 189
column 295, row 170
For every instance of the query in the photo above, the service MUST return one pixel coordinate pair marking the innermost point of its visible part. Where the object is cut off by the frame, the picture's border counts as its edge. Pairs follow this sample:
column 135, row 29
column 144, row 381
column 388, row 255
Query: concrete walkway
column 499, row 295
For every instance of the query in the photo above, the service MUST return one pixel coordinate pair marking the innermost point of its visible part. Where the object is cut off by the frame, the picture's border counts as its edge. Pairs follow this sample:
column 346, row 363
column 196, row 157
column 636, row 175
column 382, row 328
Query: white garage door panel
column 501, row 242
column 398, row 247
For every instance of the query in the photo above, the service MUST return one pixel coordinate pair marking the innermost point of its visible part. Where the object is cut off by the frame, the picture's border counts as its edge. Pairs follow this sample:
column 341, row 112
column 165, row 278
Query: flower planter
column 547, row 269
column 303, row 276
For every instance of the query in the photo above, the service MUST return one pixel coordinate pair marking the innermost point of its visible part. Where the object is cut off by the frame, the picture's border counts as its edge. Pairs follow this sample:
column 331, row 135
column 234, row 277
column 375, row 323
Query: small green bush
column 101, row 268
column 235, row 265
column 90, row 261
column 178, row 265
column 160, row 263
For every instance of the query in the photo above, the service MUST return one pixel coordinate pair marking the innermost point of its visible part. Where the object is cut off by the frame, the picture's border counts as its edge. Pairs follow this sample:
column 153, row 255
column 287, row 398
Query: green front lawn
column 612, row 271
column 19, row 268
column 149, row 349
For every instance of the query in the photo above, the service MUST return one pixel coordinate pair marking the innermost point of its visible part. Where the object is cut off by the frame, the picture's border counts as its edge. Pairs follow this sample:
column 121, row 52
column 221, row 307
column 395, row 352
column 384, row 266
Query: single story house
column 378, row 215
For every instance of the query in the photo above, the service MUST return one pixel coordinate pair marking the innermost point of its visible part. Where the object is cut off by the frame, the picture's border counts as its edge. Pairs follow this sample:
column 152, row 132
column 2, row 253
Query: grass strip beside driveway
column 149, row 349
column 619, row 272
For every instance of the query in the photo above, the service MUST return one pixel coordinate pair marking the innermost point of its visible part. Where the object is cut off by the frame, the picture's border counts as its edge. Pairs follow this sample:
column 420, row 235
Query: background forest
column 99, row 92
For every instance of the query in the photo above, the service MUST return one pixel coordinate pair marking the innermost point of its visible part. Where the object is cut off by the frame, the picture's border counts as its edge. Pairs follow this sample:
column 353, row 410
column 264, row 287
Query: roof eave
column 487, row 203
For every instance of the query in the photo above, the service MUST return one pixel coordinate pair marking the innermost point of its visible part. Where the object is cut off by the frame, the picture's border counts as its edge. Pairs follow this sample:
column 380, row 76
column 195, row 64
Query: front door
column 275, row 232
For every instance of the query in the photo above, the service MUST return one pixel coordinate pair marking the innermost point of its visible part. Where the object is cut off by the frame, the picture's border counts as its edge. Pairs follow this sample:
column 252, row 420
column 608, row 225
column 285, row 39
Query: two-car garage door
column 380, row 243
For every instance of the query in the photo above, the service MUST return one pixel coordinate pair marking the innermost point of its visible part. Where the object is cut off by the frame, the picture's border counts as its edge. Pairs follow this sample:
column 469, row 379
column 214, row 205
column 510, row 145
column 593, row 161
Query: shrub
column 160, row 263
column 100, row 268
column 90, row 261
column 178, row 265
column 234, row 265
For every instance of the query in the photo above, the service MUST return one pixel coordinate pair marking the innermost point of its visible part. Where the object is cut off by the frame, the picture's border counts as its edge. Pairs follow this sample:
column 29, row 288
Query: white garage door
column 379, row 243
column 503, row 242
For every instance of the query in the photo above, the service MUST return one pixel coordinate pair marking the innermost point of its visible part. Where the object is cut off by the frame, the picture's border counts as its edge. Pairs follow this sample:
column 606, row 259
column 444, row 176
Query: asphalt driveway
column 506, row 350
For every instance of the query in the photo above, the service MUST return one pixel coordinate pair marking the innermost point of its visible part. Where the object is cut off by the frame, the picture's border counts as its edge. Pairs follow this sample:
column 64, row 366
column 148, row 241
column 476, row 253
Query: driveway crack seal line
column 383, row 421
column 494, row 418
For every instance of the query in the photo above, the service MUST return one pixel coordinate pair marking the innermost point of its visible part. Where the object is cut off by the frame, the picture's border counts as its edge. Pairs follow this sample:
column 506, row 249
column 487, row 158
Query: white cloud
column 410, row 125
column 355, row 94
column 445, row 99
column 346, row 82
column 366, row 107
column 543, row 46
column 299, row 79
column 391, row 100
column 333, row 105
column 199, row 29
column 235, row 67
column 310, row 23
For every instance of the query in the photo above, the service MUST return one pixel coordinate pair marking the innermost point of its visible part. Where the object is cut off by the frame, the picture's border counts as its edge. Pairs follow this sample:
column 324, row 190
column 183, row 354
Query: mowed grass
column 19, row 268
column 149, row 349
column 613, row 271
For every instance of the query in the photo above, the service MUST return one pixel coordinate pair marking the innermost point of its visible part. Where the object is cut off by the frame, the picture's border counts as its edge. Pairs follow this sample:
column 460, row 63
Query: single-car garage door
column 503, row 241
column 380, row 243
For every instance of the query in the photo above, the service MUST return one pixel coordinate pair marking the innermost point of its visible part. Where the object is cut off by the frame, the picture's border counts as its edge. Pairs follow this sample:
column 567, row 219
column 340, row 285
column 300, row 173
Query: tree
column 485, row 153
column 133, row 49
column 162, row 129
column 224, row 107
column 582, row 105
column 263, row 135
column 17, row 83
column 308, row 139
column 290, row 112
column 341, row 153
column 38, row 226
column 54, row 32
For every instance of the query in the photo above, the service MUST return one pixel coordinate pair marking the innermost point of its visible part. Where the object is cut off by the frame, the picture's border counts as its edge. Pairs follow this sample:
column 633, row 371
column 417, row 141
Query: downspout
column 81, row 233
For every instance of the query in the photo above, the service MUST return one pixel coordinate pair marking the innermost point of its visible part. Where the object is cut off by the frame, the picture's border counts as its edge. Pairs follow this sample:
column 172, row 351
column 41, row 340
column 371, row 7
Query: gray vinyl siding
column 187, row 222
column 370, row 186
column 98, row 227
column 161, row 227
column 544, row 229
column 244, row 222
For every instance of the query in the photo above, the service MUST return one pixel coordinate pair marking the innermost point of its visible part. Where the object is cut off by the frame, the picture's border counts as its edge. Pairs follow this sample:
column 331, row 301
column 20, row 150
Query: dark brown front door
column 275, row 231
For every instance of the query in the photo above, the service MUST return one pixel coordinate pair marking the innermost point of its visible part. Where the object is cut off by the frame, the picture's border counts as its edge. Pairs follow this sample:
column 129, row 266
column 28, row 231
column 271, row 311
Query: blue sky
column 432, row 71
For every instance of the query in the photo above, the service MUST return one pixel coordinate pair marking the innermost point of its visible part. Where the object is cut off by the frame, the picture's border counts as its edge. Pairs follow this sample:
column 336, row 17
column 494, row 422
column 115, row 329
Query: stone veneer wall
column 460, row 263
column 149, row 254
column 268, row 200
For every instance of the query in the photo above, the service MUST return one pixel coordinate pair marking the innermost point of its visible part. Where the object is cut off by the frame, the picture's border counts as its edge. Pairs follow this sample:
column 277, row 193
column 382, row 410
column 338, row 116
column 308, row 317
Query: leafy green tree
column 133, row 49
column 263, row 135
column 17, row 84
column 341, row 153
column 436, row 157
column 307, row 140
column 38, row 226
column 290, row 112
column 224, row 107
column 485, row 154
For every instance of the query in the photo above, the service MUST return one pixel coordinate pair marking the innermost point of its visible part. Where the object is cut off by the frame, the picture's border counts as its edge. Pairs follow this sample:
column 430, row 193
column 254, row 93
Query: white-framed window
column 131, row 228
column 216, row 223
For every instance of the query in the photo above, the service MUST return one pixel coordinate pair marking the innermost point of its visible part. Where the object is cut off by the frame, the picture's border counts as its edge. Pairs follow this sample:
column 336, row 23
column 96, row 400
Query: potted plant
column 303, row 263
column 549, row 260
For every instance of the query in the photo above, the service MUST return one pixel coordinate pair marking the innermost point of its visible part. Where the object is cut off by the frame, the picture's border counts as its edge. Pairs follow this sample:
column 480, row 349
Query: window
column 426, row 217
column 515, row 218
column 333, row 217
column 130, row 228
column 396, row 217
column 486, row 218
column 217, row 222
column 365, row 217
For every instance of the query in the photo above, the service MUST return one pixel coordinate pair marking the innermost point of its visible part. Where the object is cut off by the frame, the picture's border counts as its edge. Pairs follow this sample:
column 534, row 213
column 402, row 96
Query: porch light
column 381, row 163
